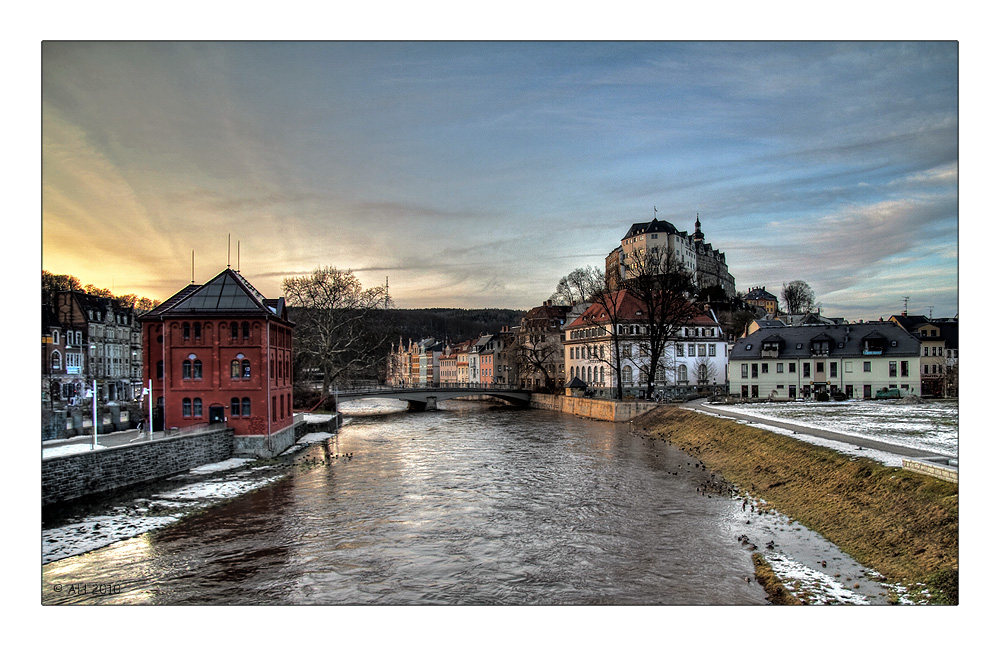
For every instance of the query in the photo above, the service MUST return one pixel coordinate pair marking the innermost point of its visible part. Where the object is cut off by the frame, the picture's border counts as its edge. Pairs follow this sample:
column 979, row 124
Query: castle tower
column 698, row 235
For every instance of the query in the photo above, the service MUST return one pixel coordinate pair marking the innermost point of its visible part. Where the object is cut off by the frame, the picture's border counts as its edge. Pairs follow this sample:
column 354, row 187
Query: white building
column 695, row 359
column 857, row 360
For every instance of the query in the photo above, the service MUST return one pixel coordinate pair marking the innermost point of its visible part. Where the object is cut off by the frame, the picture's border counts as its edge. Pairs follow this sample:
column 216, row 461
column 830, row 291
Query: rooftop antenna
column 192, row 266
column 229, row 251
column 237, row 256
column 906, row 304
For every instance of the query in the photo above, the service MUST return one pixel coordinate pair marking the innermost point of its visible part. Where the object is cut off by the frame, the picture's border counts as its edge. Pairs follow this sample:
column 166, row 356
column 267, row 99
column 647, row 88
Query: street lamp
column 93, row 398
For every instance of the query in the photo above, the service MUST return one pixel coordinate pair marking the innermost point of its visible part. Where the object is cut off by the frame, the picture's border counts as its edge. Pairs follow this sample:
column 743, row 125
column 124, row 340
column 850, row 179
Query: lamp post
column 93, row 399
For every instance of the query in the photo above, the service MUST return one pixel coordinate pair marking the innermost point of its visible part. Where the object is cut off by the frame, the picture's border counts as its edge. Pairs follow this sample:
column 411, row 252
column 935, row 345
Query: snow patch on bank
column 212, row 483
column 811, row 586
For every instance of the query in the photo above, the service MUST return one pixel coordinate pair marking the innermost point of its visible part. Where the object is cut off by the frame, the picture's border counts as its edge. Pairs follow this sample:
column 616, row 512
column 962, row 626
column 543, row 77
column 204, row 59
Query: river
column 469, row 504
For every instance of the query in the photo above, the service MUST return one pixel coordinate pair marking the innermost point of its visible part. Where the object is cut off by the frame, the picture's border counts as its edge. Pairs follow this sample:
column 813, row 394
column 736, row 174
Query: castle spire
column 698, row 235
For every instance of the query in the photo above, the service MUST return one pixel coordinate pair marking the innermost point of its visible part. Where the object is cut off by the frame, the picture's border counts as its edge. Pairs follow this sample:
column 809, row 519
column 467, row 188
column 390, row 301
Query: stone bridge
column 427, row 397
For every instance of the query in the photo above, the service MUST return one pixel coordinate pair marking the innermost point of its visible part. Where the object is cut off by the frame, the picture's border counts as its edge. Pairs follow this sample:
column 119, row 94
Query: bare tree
column 536, row 353
column 798, row 296
column 664, row 289
column 342, row 329
column 578, row 286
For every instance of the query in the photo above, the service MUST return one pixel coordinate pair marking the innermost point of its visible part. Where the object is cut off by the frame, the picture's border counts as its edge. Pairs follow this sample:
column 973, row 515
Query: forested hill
column 455, row 325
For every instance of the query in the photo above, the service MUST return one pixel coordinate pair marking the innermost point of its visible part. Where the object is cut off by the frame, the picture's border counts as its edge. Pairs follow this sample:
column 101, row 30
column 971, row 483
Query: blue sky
column 478, row 174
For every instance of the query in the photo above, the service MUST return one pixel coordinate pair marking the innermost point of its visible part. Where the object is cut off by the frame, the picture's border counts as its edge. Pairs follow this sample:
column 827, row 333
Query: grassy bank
column 902, row 524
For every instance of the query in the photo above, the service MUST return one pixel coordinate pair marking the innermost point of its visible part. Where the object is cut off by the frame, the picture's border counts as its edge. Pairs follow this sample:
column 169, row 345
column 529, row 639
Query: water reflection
column 465, row 505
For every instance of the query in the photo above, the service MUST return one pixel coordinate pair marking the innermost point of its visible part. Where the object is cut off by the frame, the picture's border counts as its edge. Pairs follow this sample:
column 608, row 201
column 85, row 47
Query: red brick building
column 220, row 352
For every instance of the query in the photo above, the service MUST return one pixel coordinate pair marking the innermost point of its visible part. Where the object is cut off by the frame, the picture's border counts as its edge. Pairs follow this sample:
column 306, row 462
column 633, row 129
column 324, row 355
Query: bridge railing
column 438, row 386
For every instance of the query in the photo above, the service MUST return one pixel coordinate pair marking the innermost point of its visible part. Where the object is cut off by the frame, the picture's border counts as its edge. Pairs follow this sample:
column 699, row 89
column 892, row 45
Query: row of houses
column 573, row 347
column 582, row 349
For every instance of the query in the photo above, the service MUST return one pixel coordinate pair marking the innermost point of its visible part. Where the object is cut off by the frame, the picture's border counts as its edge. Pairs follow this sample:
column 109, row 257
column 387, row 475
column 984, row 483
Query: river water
column 470, row 504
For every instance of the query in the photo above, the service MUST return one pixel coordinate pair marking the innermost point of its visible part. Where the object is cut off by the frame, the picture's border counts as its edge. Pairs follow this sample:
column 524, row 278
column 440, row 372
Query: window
column 56, row 360
column 197, row 406
column 682, row 373
column 246, row 368
column 764, row 368
column 159, row 370
column 701, row 350
column 690, row 349
column 805, row 370
column 234, row 369
column 744, row 370
column 234, row 406
column 197, row 368
column 246, row 407
column 233, row 330
column 892, row 368
column 833, row 369
column 246, row 331
column 187, row 331
column 186, row 407
column 627, row 374
column 904, row 367
column 819, row 366
column 711, row 350
column 753, row 370
column 186, row 369
column 197, row 331
column 867, row 366
column 680, row 349
column 779, row 367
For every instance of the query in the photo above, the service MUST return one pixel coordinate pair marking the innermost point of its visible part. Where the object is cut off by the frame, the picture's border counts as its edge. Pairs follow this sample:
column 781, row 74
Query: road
column 885, row 447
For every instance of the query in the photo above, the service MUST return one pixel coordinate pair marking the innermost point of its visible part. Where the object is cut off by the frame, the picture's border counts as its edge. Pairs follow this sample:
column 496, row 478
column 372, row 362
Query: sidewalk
column 875, row 445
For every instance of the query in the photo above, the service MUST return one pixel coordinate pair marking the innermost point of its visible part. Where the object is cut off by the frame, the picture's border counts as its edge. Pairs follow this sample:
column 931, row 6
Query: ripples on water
column 465, row 505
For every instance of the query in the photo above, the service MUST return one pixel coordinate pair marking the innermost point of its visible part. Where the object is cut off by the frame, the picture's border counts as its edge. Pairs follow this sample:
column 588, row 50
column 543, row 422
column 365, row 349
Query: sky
column 477, row 174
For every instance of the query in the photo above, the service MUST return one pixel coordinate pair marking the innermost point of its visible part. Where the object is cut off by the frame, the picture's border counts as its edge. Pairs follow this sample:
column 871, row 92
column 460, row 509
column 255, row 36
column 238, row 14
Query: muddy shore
column 901, row 524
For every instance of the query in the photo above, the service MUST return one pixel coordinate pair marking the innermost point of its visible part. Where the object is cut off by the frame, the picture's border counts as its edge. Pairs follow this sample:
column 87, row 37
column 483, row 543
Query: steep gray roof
column 844, row 341
column 228, row 293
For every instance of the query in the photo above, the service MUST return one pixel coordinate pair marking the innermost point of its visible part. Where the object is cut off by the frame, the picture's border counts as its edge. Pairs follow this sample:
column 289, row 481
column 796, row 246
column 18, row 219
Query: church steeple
column 698, row 235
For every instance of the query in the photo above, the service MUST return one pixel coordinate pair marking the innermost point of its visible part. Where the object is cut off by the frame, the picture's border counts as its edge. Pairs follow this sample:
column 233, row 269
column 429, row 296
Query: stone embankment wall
column 942, row 469
column 80, row 474
column 599, row 409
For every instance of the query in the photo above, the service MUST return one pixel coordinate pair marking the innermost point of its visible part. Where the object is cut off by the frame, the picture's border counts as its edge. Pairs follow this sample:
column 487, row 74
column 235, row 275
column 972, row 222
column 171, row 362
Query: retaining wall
column 941, row 468
column 72, row 476
column 600, row 409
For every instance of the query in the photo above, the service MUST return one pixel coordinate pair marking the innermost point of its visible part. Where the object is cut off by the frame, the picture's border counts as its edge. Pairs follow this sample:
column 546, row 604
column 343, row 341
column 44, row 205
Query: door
column 216, row 414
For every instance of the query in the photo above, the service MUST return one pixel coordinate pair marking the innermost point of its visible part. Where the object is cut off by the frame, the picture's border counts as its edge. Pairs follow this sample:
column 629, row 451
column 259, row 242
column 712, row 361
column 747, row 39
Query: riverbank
column 903, row 525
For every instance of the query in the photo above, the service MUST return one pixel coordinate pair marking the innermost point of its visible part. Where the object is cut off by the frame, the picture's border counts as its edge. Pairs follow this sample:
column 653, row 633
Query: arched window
column 56, row 360
column 246, row 368
column 197, row 331
column 55, row 337
column 186, row 369
column 246, row 331
column 602, row 374
column 234, row 406
column 682, row 373
column 590, row 376
column 186, row 407
column 233, row 330
column 246, row 407
column 159, row 370
column 234, row 369
column 197, row 406
column 186, row 327
column 703, row 373
column 197, row 369
column 627, row 374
